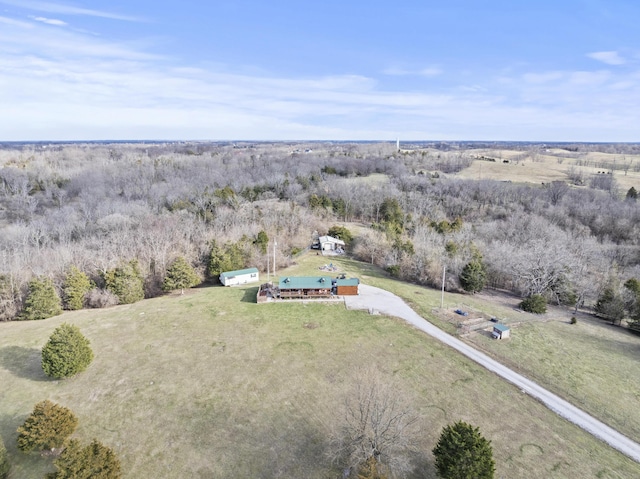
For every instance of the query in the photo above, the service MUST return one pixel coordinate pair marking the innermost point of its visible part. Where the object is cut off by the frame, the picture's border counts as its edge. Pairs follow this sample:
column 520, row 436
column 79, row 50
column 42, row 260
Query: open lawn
column 212, row 385
column 592, row 364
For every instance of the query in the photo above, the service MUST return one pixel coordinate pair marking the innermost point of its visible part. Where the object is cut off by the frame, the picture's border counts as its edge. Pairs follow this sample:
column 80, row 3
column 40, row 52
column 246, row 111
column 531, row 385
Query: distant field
column 212, row 385
column 547, row 168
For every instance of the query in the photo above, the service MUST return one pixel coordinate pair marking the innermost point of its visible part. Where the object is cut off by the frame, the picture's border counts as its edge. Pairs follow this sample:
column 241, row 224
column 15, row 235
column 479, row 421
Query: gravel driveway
column 376, row 300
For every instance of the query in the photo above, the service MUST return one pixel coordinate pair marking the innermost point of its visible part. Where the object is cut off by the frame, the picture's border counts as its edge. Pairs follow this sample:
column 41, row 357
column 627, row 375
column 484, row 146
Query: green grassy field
column 212, row 385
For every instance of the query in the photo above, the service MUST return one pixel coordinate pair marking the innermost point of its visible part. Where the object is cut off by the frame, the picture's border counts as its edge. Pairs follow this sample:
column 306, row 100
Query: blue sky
column 564, row 70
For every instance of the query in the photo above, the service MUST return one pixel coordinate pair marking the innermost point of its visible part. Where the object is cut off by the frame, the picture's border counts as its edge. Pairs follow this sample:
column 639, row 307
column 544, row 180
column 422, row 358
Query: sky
column 502, row 70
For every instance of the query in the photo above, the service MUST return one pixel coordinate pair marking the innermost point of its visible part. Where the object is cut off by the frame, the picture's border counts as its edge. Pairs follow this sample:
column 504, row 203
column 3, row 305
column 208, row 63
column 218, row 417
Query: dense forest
column 115, row 213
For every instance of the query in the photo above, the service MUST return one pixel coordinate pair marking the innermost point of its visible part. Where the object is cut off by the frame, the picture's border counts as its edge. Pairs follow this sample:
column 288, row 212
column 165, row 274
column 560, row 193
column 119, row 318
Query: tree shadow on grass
column 23, row 362
column 250, row 295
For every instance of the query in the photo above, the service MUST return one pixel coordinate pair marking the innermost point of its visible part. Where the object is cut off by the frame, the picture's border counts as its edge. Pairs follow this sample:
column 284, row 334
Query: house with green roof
column 305, row 286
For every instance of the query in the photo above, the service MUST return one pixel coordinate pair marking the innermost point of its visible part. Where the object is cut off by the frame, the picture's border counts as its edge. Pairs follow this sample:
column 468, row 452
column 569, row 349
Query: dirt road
column 379, row 300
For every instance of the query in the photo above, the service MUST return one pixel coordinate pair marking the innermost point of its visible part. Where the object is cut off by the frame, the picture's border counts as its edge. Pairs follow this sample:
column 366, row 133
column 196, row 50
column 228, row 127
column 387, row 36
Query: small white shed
column 500, row 331
column 241, row 276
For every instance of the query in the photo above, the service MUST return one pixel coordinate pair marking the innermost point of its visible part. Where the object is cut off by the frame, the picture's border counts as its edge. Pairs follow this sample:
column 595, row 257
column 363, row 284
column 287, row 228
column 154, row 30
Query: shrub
column 180, row 275
column 48, row 426
column 66, row 353
column 534, row 304
column 100, row 298
column 574, row 320
column 42, row 300
column 394, row 270
column 126, row 282
column 342, row 233
column 94, row 461
column 5, row 465
column 463, row 453
column 75, row 288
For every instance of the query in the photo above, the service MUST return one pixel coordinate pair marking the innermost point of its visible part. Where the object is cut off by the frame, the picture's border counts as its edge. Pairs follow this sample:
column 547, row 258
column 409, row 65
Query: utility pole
column 444, row 272
column 275, row 243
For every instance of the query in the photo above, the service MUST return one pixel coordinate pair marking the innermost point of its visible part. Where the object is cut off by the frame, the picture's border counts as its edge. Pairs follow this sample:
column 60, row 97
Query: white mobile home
column 331, row 244
column 242, row 276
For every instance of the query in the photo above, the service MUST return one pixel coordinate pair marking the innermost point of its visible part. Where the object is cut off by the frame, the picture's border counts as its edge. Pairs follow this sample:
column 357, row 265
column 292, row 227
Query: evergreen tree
column 474, row 275
column 126, row 282
column 5, row 465
column 342, row 233
column 535, row 303
column 632, row 287
column 76, row 285
column 94, row 461
column 180, row 275
column 48, row 426
column 262, row 241
column 42, row 300
column 610, row 305
column 462, row 453
column 632, row 194
column 229, row 257
column 66, row 353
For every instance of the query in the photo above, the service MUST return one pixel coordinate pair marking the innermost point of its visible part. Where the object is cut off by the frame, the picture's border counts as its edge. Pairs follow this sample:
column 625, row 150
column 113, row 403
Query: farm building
column 305, row 287
column 331, row 244
column 347, row 286
column 242, row 276
column 500, row 331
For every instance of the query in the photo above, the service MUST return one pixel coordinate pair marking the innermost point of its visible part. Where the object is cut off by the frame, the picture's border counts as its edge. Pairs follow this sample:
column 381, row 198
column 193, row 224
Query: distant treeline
column 97, row 207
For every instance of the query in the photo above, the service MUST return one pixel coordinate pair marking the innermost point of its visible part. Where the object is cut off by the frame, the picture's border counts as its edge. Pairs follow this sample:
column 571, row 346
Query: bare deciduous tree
column 378, row 426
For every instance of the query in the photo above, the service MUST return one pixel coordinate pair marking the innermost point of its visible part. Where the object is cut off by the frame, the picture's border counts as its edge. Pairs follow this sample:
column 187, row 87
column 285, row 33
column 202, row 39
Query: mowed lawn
column 212, row 385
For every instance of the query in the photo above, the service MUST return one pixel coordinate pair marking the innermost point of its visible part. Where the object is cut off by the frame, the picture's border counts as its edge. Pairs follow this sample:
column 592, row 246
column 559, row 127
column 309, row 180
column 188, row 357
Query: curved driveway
column 382, row 301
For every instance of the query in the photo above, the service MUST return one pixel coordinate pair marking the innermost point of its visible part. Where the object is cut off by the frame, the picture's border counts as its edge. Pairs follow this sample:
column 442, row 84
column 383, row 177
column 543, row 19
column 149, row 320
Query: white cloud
column 610, row 58
column 49, row 21
column 544, row 77
column 430, row 72
column 51, row 7
column 425, row 72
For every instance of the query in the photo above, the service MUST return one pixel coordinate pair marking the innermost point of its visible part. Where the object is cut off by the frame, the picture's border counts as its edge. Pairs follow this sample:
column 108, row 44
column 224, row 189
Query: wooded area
column 109, row 208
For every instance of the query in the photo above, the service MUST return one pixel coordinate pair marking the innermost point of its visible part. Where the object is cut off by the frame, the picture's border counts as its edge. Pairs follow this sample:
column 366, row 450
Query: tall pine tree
column 76, row 285
column 42, row 300
column 474, row 275
column 180, row 275
column 126, row 282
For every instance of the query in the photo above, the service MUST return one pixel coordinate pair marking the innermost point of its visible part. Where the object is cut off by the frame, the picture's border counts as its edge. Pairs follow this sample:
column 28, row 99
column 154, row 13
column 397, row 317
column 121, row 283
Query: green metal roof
column 231, row 274
column 348, row 282
column 501, row 327
column 305, row 282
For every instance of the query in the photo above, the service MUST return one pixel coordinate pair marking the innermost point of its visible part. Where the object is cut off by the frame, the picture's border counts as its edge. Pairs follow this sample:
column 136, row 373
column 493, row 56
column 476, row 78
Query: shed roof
column 239, row 272
column 331, row 239
column 501, row 327
column 305, row 282
column 347, row 282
